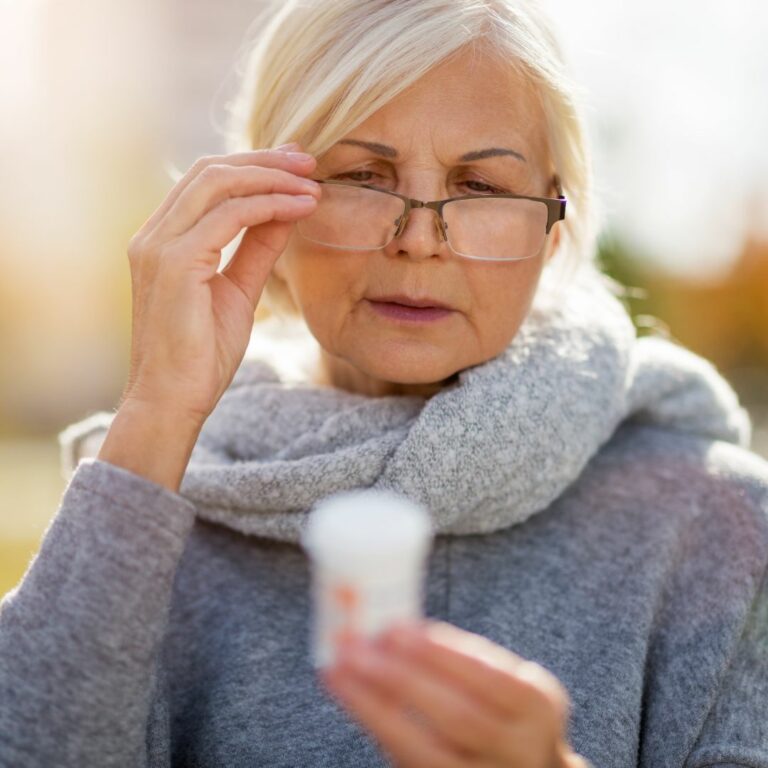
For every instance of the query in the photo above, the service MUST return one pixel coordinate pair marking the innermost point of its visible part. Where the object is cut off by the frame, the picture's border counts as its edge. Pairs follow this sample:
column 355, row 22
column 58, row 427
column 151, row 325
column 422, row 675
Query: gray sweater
column 164, row 629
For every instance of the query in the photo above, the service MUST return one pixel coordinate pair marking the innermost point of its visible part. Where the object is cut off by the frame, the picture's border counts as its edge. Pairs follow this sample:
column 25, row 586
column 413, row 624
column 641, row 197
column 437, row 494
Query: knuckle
column 273, row 176
column 203, row 162
column 140, row 249
column 135, row 247
column 277, row 181
column 233, row 209
column 229, row 205
column 214, row 173
column 270, row 179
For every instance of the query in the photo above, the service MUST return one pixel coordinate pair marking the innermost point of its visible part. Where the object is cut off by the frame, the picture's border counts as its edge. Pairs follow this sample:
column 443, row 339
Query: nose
column 421, row 235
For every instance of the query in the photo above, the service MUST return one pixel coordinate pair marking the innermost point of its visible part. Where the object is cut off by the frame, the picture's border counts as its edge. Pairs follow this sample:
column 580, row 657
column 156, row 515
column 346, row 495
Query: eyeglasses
column 353, row 216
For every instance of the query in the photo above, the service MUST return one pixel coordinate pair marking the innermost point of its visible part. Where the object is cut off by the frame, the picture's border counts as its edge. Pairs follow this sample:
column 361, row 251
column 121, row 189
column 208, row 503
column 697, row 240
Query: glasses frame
column 555, row 211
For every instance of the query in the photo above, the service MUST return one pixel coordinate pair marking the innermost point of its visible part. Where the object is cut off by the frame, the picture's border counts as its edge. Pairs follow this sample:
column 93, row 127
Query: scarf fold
column 487, row 452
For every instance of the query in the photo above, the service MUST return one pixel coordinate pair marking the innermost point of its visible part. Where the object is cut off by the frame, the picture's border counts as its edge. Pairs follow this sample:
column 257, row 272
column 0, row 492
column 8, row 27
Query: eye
column 488, row 188
column 349, row 174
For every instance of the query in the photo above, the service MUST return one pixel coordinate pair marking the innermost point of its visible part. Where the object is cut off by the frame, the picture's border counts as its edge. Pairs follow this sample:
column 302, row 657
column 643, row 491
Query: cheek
column 502, row 295
column 323, row 284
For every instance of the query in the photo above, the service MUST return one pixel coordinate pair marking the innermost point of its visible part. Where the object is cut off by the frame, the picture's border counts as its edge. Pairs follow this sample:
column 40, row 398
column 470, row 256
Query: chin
column 415, row 365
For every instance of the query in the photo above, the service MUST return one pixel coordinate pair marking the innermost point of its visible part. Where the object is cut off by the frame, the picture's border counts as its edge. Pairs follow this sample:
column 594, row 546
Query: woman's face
column 461, row 106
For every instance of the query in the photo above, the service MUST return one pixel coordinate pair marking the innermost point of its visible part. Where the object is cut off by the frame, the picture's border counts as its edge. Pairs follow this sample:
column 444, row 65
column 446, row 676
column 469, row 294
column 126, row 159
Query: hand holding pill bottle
column 368, row 552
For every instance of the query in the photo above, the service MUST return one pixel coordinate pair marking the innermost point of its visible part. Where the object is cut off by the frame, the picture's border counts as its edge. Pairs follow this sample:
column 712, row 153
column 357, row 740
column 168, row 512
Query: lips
column 395, row 308
column 408, row 301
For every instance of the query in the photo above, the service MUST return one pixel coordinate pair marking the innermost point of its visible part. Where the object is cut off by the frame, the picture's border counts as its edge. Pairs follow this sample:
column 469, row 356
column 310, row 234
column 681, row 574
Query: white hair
column 314, row 70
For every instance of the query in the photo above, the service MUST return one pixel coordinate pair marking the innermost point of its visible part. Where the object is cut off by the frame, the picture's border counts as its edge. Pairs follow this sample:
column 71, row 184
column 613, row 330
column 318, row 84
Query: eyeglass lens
column 356, row 218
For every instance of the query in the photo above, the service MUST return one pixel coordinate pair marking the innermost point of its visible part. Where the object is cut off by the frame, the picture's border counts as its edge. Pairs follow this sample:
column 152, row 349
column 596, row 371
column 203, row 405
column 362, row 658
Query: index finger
column 269, row 157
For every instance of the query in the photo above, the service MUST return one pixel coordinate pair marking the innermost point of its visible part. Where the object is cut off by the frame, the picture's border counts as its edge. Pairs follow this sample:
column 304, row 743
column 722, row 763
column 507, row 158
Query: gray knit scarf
column 487, row 452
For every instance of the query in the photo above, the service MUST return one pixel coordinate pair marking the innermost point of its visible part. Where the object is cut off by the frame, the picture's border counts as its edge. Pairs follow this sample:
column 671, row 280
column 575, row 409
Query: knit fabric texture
column 487, row 452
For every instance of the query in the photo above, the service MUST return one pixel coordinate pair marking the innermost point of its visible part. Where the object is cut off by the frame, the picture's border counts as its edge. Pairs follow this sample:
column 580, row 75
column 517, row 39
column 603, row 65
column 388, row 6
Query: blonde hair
column 315, row 69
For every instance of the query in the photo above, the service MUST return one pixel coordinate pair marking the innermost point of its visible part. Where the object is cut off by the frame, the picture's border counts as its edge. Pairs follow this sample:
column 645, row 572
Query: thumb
column 255, row 256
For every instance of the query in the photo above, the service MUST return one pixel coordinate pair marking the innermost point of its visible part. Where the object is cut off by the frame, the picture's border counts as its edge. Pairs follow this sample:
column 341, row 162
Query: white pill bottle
column 368, row 551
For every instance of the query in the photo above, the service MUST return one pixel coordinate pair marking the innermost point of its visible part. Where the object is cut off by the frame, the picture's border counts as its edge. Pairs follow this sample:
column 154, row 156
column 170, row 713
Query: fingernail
column 303, row 156
column 291, row 145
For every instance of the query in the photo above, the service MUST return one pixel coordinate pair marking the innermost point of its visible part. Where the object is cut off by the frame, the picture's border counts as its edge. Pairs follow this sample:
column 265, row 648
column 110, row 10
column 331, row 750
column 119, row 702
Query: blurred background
column 101, row 102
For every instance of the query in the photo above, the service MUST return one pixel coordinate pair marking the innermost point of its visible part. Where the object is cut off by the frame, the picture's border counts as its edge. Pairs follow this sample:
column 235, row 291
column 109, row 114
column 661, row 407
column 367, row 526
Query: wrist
column 151, row 441
column 166, row 415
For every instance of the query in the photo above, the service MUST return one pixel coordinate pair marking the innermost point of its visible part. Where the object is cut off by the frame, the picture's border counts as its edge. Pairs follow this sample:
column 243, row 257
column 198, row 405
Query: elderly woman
column 596, row 591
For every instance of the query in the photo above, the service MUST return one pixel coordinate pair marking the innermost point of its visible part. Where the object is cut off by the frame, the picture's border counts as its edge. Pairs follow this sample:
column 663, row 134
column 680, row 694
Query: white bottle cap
column 366, row 529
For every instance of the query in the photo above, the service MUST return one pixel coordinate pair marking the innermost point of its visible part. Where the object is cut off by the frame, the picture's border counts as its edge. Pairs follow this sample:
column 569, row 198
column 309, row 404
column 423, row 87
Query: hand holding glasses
column 495, row 227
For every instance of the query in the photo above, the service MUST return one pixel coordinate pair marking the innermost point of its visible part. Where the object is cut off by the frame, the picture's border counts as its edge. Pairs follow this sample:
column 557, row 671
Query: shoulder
column 669, row 451
column 681, row 475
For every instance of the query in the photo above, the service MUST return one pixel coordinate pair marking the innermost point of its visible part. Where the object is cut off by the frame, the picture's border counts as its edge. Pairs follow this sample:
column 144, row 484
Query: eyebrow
column 391, row 152
column 480, row 154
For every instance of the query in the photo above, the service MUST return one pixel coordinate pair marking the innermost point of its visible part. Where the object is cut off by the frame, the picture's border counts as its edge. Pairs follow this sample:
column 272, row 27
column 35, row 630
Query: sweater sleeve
column 735, row 733
column 80, row 634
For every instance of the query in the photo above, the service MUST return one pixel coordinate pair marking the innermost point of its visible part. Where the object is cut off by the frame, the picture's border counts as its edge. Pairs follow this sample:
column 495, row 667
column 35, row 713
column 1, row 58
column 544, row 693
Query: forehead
column 467, row 102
